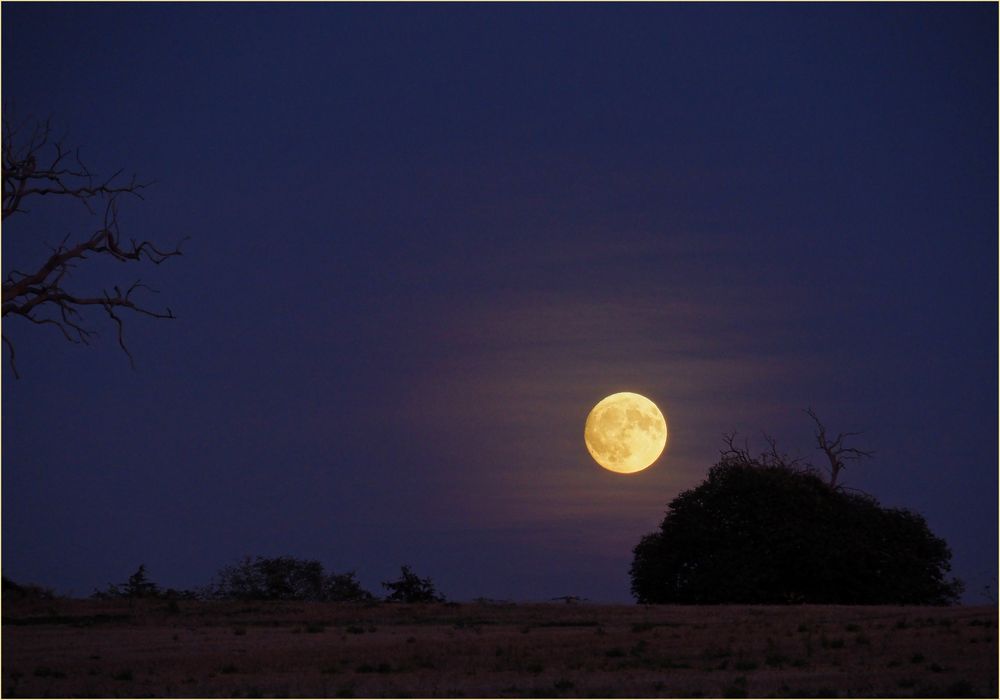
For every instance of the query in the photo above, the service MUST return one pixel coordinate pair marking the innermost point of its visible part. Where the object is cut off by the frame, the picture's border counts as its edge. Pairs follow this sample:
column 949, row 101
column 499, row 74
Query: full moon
column 625, row 432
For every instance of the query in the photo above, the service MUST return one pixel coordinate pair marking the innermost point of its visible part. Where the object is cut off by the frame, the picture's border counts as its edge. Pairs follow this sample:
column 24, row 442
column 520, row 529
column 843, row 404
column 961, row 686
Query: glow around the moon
column 625, row 432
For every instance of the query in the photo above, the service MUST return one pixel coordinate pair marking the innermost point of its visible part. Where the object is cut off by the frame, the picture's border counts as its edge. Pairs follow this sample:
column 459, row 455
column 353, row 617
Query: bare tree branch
column 28, row 173
column 835, row 450
column 772, row 457
column 13, row 364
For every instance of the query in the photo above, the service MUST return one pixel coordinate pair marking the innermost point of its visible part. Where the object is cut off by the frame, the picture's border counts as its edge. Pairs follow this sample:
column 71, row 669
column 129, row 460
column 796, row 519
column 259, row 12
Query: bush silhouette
column 25, row 591
column 410, row 588
column 344, row 588
column 760, row 531
column 284, row 578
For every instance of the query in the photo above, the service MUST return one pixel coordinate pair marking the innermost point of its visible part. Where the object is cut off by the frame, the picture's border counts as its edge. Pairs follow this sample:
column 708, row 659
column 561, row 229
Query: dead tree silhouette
column 33, row 167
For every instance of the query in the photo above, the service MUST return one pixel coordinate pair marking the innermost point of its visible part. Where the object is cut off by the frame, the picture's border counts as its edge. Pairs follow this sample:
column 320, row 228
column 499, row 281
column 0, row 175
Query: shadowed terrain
column 67, row 648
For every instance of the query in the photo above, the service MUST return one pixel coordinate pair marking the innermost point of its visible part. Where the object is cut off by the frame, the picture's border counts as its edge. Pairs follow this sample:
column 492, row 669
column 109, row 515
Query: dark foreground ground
column 85, row 648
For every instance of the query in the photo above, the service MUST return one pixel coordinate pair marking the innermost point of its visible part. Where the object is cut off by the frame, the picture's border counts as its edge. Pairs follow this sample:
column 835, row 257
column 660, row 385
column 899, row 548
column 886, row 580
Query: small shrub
column 862, row 640
column 410, row 588
column 917, row 658
column 229, row 668
column 562, row 684
column 315, row 627
column 123, row 675
column 615, row 653
column 836, row 643
column 239, row 631
column 935, row 668
column 345, row 588
column 852, row 627
column 137, row 586
column 745, row 665
column 535, row 667
column 355, row 629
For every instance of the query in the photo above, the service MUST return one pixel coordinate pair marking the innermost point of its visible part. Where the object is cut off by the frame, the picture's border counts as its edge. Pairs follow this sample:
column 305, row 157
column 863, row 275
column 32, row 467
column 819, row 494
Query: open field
column 87, row 648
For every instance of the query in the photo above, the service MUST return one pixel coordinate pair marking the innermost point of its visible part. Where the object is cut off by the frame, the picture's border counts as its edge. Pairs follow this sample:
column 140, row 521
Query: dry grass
column 84, row 648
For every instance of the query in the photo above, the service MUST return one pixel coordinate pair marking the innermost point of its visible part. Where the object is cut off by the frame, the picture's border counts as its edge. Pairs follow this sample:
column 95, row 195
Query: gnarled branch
column 40, row 296
column 735, row 453
column 835, row 450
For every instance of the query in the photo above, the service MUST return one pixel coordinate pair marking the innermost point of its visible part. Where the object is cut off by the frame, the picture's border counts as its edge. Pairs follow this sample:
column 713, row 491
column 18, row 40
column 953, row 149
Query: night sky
column 426, row 239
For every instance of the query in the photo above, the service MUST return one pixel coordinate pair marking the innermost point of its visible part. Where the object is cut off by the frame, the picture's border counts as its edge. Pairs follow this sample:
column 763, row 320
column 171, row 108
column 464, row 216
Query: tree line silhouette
column 278, row 578
column 765, row 529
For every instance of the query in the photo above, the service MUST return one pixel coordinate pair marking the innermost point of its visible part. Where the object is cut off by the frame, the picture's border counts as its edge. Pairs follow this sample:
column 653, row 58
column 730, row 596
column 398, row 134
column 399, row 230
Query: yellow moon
column 625, row 432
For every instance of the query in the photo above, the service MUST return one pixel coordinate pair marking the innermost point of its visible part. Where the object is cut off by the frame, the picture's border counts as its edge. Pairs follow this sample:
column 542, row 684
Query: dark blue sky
column 426, row 239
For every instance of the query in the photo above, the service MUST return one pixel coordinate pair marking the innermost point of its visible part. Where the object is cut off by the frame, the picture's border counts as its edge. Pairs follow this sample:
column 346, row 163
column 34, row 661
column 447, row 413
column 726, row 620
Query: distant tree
column 410, row 588
column 33, row 167
column 762, row 530
column 284, row 578
column 137, row 586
